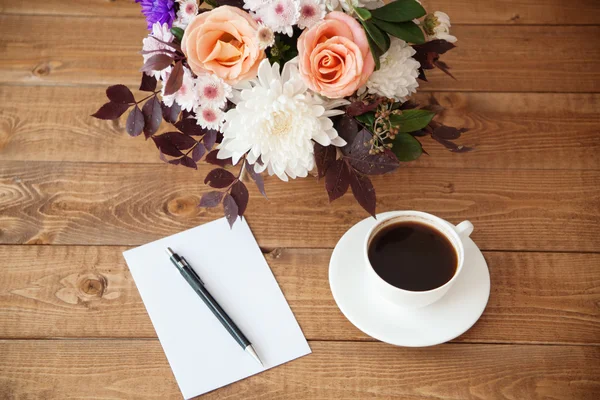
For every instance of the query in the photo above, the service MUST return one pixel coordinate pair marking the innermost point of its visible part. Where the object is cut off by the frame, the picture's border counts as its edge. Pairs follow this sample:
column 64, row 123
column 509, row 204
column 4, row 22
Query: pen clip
column 190, row 269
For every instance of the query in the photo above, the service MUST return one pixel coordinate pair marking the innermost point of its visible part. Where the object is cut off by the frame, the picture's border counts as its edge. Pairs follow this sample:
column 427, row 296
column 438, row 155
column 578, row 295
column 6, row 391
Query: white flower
column 161, row 32
column 277, row 119
column 255, row 4
column 186, row 95
column 437, row 26
column 397, row 77
column 212, row 91
column 280, row 15
column 188, row 9
column 368, row 4
column 209, row 117
column 311, row 12
column 265, row 36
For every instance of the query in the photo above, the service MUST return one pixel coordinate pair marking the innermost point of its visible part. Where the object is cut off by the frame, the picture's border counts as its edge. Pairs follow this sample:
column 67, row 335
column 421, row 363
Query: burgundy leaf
column 175, row 79
column 188, row 114
column 111, row 110
column 258, row 179
column 324, row 157
column 347, row 128
column 188, row 162
column 170, row 114
column 211, row 158
column 198, row 152
column 444, row 67
column 152, row 116
column 359, row 107
column 209, row 138
column 239, row 192
column 177, row 161
column 233, row 3
column 219, row 178
column 161, row 155
column 135, row 122
column 120, row 94
column 211, row 199
column 448, row 132
column 190, row 126
column 363, row 192
column 337, row 179
column 157, row 62
column 230, row 208
column 439, row 46
column 148, row 83
column 370, row 164
column 166, row 147
column 172, row 142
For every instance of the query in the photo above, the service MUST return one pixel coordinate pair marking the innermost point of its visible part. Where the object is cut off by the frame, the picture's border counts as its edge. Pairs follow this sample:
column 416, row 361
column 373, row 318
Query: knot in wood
column 183, row 206
column 93, row 285
column 42, row 69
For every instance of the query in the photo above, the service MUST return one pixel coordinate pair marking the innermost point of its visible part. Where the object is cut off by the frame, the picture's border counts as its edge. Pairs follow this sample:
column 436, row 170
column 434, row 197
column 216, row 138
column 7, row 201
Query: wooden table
column 76, row 192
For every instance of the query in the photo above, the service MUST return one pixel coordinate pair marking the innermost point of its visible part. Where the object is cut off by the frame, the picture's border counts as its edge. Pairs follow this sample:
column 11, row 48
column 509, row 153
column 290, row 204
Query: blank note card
column 202, row 355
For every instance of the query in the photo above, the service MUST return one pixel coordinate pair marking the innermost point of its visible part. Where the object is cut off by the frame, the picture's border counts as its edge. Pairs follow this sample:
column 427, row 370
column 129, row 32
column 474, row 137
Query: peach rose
column 334, row 56
column 223, row 41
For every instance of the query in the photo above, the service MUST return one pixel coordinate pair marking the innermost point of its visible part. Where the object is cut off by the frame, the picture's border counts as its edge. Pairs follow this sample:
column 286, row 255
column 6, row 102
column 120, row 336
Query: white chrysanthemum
column 397, row 77
column 311, row 12
column 265, row 36
column 437, row 26
column 150, row 44
column 333, row 5
column 212, row 91
column 254, row 5
column 186, row 95
column 188, row 9
column 280, row 15
column 209, row 117
column 277, row 119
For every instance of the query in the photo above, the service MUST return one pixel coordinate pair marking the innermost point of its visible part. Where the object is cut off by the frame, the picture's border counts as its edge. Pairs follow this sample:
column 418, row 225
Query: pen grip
column 211, row 303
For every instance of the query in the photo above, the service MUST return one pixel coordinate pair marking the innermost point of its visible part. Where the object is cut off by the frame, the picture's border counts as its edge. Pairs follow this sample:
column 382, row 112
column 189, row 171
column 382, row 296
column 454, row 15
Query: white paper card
column 202, row 355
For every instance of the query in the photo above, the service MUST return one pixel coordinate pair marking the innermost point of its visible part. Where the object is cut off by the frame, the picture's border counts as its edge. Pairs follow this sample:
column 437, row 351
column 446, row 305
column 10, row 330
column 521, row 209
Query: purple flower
column 161, row 11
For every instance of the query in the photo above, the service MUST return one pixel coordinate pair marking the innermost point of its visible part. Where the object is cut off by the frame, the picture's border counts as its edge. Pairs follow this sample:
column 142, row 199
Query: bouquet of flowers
column 287, row 87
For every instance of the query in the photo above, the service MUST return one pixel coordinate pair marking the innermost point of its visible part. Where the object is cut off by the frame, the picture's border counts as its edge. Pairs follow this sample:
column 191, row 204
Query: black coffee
column 413, row 256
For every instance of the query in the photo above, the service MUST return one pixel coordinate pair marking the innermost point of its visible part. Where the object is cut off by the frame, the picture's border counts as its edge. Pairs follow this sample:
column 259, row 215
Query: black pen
column 196, row 283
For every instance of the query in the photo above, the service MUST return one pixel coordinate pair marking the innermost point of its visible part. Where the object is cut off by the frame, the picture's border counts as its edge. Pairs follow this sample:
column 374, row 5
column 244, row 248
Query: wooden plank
column 508, row 130
column 137, row 369
column 461, row 11
column 87, row 291
column 488, row 58
column 129, row 204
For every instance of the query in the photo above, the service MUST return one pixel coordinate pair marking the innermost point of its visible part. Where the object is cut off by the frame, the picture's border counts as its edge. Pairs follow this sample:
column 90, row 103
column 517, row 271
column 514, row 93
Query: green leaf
column 399, row 11
column 380, row 38
column 367, row 119
column 375, row 52
column 177, row 32
column 411, row 120
column 406, row 147
column 407, row 31
column 363, row 13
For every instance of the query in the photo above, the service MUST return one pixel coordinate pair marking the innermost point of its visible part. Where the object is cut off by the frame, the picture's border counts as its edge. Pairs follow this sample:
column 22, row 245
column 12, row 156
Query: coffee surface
column 413, row 256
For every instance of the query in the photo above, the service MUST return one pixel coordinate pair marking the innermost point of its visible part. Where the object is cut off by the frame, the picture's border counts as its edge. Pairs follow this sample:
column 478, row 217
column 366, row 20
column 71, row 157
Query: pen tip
column 169, row 251
column 252, row 352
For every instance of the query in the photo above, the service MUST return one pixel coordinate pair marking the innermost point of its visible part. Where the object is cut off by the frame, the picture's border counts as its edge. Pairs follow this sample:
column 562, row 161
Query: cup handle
column 464, row 229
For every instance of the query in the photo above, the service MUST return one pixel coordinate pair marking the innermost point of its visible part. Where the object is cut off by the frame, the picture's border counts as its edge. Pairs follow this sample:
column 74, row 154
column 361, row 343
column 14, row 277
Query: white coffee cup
column 408, row 298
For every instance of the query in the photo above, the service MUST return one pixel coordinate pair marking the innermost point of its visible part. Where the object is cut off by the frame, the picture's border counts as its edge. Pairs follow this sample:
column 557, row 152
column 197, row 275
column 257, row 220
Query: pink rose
column 223, row 41
column 334, row 56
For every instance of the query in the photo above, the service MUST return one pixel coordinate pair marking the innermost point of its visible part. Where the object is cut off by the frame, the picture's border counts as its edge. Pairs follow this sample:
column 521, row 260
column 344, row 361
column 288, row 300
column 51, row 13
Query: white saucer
column 444, row 320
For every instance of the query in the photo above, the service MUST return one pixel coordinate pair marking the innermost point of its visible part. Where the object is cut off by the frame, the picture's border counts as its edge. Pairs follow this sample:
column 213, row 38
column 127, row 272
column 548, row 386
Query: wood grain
column 488, row 58
column 461, row 11
column 87, row 291
column 129, row 204
column 507, row 130
column 137, row 369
